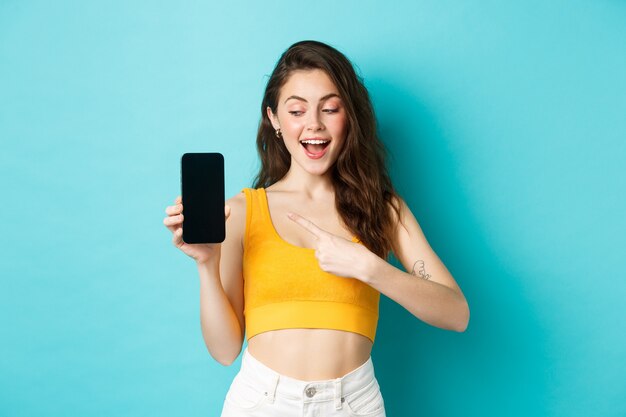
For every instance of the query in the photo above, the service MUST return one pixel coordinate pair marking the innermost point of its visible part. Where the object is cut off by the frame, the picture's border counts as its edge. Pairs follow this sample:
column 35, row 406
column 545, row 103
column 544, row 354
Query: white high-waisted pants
column 259, row 391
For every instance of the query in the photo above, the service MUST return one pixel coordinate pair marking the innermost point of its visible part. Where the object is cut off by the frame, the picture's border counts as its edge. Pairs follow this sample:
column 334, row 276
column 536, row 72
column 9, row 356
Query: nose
column 314, row 121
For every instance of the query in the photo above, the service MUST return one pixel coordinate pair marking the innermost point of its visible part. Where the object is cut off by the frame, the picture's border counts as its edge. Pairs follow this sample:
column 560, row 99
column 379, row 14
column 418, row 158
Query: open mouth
column 315, row 148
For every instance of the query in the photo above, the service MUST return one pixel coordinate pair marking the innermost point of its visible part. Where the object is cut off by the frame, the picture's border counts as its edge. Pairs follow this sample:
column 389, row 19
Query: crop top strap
column 250, row 197
column 257, row 213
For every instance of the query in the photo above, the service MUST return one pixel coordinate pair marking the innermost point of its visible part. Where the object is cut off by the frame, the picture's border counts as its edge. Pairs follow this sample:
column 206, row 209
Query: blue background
column 506, row 126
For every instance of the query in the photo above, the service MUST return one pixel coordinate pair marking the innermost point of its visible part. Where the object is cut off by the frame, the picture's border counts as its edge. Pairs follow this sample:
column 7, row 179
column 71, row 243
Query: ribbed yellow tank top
column 284, row 286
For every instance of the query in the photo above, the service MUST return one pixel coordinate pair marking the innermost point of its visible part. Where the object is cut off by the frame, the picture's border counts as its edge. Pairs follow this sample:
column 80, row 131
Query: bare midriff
column 311, row 354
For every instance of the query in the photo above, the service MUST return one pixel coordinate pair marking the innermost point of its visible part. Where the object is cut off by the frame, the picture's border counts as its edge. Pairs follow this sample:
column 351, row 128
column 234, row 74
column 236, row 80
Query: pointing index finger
column 307, row 224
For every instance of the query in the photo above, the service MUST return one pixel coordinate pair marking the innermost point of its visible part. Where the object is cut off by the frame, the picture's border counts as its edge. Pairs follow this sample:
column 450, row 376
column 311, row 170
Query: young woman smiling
column 305, row 256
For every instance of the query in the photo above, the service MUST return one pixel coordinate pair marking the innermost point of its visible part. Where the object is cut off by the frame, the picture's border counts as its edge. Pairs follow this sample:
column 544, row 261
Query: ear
column 273, row 118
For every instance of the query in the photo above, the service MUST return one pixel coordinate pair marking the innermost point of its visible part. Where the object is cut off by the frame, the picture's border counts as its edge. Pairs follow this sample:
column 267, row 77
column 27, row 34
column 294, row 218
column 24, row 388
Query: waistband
column 307, row 391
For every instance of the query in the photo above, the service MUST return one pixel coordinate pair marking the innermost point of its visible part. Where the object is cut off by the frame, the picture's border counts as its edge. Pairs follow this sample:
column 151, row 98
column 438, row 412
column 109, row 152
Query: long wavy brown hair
column 364, row 194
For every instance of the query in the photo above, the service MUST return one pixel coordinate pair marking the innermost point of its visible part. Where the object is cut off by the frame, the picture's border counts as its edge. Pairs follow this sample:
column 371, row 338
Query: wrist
column 212, row 264
column 372, row 268
column 210, row 258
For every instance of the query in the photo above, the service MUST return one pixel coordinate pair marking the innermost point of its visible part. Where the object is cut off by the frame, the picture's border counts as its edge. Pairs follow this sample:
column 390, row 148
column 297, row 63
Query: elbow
column 224, row 358
column 227, row 361
column 464, row 317
column 462, row 328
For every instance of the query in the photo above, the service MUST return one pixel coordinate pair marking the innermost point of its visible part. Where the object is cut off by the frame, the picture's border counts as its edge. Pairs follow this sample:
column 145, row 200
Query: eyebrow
column 327, row 96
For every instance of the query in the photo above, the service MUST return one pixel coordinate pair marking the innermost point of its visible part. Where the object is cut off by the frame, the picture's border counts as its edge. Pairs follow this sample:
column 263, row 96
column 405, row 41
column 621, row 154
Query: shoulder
column 236, row 222
column 238, row 201
column 398, row 210
column 406, row 229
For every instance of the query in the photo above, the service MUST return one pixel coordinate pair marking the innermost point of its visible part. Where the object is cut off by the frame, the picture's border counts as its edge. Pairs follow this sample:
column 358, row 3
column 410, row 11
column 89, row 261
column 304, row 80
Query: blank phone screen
column 202, row 191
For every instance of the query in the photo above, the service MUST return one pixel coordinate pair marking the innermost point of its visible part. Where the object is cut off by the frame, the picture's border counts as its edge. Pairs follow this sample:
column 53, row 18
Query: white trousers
column 259, row 391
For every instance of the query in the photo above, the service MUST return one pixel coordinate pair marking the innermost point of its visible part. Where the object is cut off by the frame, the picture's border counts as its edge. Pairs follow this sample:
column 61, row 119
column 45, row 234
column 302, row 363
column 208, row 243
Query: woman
column 311, row 239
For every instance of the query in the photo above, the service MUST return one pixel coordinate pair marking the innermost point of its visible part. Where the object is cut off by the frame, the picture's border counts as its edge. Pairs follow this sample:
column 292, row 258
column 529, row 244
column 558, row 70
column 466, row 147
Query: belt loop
column 272, row 392
column 338, row 394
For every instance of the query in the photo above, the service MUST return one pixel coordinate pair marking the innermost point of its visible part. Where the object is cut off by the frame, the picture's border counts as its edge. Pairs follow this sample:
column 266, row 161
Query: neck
column 298, row 180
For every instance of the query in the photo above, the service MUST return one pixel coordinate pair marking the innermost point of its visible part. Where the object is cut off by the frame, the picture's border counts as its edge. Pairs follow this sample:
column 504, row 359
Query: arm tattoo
column 422, row 272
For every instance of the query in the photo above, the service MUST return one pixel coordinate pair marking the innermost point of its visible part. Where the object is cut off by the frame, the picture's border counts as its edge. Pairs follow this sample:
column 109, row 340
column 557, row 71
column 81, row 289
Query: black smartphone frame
column 203, row 199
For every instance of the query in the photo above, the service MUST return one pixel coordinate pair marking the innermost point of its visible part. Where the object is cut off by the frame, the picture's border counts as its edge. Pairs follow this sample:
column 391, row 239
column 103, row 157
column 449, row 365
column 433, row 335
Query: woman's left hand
column 337, row 255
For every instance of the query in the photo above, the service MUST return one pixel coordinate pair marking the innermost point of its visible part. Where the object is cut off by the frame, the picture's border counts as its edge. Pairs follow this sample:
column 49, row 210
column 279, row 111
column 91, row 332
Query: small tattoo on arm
column 421, row 270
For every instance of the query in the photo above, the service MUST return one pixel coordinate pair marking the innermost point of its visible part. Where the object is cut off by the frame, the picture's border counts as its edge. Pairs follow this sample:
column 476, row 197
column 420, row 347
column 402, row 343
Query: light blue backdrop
column 506, row 125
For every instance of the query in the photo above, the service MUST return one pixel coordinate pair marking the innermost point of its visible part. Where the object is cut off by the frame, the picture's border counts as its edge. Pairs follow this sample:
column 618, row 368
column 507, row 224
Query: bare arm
column 221, row 281
column 220, row 327
column 429, row 291
column 221, row 290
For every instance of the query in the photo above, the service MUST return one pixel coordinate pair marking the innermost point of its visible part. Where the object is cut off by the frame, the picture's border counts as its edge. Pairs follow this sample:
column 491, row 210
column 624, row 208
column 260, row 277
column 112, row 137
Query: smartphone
column 202, row 191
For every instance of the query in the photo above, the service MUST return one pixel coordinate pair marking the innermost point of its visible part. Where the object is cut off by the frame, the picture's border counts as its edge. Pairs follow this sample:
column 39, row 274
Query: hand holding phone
column 200, row 252
column 199, row 232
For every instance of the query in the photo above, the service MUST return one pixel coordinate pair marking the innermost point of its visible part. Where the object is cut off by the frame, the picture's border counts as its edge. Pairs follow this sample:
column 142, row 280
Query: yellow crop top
column 284, row 286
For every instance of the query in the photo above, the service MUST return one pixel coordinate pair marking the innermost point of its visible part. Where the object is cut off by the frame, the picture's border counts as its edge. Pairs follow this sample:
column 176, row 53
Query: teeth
column 315, row 141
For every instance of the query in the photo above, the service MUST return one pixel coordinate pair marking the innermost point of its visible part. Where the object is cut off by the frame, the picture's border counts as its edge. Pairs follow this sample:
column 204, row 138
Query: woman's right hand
column 201, row 252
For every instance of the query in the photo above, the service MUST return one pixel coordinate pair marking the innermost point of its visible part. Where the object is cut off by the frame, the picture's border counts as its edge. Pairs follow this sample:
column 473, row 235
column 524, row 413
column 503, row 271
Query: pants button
column 310, row 392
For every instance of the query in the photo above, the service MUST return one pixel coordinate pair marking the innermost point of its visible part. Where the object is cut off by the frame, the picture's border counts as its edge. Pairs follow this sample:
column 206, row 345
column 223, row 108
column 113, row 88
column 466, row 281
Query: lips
column 315, row 148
